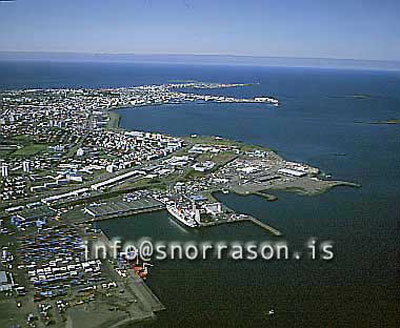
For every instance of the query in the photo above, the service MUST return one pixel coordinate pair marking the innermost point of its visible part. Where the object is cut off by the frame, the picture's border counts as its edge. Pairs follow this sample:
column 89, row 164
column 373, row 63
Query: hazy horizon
column 201, row 59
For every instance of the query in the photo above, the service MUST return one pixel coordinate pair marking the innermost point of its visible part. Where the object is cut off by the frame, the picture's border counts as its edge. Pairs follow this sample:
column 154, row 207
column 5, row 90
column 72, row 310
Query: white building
column 213, row 209
column 80, row 152
column 111, row 168
column 117, row 179
column 203, row 166
column 290, row 172
column 26, row 166
column 4, row 171
column 5, row 282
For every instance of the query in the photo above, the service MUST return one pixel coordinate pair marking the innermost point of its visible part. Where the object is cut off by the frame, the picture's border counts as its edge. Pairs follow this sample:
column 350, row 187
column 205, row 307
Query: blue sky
column 357, row 29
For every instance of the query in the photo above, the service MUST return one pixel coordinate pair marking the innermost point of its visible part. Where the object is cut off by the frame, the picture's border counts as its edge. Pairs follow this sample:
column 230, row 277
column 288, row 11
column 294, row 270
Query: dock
column 265, row 226
column 247, row 218
column 144, row 293
column 136, row 285
column 128, row 213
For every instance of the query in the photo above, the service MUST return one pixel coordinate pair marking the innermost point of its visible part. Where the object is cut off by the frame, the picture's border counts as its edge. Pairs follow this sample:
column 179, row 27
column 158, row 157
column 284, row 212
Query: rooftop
column 3, row 277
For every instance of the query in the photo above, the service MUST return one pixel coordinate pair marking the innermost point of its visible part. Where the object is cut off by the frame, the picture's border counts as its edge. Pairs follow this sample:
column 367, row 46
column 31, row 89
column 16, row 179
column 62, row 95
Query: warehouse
column 290, row 172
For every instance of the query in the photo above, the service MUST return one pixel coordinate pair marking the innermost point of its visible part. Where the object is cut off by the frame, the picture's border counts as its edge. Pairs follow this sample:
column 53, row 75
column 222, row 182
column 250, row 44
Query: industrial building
column 6, row 281
column 290, row 172
column 117, row 179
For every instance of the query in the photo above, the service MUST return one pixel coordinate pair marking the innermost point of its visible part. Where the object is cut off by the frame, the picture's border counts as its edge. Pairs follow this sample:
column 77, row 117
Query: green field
column 29, row 150
column 4, row 153
column 204, row 140
column 220, row 158
column 113, row 123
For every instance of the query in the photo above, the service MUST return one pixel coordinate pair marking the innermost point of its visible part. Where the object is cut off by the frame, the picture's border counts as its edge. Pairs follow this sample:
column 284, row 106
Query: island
column 390, row 121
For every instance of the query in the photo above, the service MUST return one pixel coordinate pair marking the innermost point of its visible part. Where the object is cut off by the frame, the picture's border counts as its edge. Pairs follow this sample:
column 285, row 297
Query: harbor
column 134, row 283
column 187, row 219
column 191, row 215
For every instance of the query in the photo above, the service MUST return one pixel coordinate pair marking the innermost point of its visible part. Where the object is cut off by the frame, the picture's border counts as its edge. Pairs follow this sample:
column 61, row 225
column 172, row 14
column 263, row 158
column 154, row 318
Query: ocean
column 322, row 121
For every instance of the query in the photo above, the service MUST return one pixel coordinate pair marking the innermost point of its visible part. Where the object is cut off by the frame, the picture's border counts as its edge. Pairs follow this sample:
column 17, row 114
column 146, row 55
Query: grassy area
column 72, row 151
column 4, row 153
column 114, row 120
column 76, row 214
column 9, row 146
column 141, row 183
column 21, row 137
column 192, row 174
column 205, row 140
column 29, row 150
column 220, row 159
column 9, row 313
column 246, row 147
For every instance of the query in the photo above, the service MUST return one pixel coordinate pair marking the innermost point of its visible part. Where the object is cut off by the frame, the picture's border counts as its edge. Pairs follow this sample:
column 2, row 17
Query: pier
column 129, row 213
column 135, row 285
column 247, row 218
column 265, row 226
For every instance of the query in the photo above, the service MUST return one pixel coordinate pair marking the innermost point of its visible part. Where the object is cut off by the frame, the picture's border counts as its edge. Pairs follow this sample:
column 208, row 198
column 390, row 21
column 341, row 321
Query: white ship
column 188, row 217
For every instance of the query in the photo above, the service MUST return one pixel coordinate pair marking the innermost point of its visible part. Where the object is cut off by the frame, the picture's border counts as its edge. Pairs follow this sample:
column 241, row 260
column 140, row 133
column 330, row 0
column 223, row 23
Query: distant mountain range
column 202, row 60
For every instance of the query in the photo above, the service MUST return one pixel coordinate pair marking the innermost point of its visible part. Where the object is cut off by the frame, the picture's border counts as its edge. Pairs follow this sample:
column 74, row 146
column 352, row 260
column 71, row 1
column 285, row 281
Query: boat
column 131, row 258
column 141, row 271
column 183, row 216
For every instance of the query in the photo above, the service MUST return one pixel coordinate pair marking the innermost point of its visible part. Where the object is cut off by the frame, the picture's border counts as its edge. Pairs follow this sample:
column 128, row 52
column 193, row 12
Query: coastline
column 302, row 189
column 134, row 284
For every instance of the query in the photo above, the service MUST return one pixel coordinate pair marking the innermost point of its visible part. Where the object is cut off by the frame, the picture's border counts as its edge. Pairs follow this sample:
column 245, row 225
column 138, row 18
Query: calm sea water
column 317, row 124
